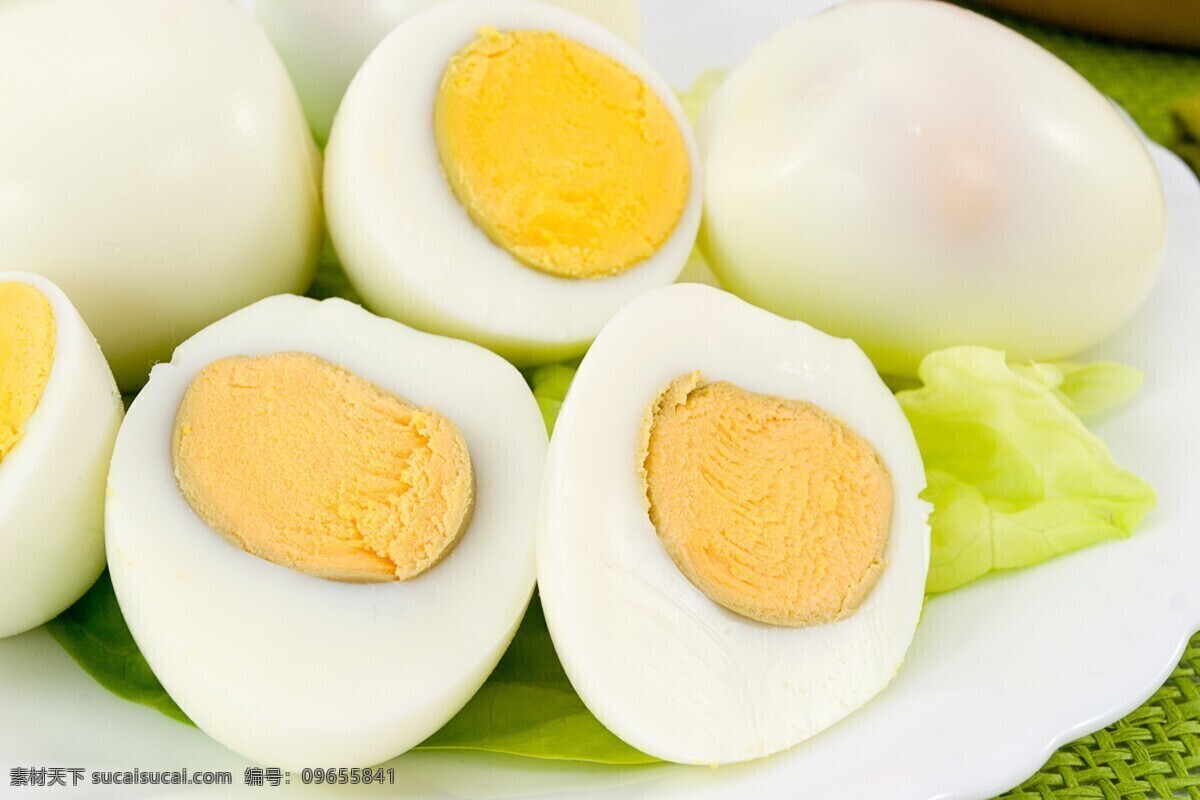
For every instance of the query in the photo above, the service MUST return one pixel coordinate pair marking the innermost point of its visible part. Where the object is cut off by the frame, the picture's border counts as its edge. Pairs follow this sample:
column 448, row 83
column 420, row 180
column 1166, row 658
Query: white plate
column 1001, row 672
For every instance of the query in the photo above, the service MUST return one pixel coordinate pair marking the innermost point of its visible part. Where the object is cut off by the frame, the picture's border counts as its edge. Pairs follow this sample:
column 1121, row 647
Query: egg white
column 915, row 176
column 293, row 670
column 659, row 663
column 408, row 245
column 52, row 481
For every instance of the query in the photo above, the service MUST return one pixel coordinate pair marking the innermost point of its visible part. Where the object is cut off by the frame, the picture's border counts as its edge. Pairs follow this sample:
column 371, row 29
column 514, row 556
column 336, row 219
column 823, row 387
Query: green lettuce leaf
column 330, row 279
column 528, row 708
column 94, row 633
column 550, row 384
column 1014, row 476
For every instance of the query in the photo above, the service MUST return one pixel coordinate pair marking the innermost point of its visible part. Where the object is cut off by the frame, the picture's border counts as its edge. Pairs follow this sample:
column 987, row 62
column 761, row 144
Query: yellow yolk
column 564, row 157
column 771, row 507
column 307, row 465
column 27, row 338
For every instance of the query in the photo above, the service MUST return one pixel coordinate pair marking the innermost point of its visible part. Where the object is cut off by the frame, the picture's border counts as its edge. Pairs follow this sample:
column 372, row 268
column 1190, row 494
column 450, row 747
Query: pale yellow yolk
column 564, row 157
column 771, row 507
column 307, row 465
column 27, row 338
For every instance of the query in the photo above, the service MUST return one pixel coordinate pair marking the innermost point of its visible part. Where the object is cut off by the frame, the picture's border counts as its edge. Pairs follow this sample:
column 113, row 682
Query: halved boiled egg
column 59, row 414
column 731, row 548
column 320, row 528
column 510, row 174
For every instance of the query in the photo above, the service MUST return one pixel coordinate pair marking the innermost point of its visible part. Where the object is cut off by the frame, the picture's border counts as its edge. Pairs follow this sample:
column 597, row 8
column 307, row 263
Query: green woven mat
column 1155, row 751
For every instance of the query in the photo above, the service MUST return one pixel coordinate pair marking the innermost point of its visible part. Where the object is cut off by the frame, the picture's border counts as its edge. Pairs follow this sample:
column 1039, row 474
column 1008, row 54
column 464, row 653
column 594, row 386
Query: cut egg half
column 510, row 174
column 59, row 414
column 731, row 548
column 320, row 528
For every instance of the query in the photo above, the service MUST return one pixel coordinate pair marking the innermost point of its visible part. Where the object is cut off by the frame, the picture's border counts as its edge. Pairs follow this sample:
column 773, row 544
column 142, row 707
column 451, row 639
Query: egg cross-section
column 59, row 414
column 321, row 538
column 732, row 548
column 510, row 174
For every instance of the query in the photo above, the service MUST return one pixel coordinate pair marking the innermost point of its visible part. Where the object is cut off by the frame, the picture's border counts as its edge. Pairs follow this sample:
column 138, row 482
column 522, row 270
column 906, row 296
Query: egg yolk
column 27, row 339
column 771, row 507
column 307, row 465
column 562, row 156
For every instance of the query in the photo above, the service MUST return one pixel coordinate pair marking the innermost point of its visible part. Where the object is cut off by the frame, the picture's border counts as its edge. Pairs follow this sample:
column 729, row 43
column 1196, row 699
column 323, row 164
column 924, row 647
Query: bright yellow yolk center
column 307, row 465
column 27, row 337
column 564, row 157
column 771, row 507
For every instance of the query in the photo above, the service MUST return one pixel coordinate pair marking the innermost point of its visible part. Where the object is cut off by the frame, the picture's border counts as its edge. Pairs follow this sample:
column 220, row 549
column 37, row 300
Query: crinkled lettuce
column 1014, row 476
column 1085, row 389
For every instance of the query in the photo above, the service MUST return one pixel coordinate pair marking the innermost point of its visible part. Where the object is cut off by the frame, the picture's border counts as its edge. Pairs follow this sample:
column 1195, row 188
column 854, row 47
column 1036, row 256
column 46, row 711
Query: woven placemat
column 1155, row 751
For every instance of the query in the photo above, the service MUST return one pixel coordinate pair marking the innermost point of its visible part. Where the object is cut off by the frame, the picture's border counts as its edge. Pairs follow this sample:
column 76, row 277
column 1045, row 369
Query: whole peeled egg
column 916, row 176
column 324, row 44
column 155, row 163
column 59, row 414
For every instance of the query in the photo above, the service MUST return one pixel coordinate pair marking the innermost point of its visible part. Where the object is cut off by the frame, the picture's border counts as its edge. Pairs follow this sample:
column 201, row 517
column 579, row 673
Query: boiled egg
column 510, row 174
column 59, row 414
column 915, row 176
column 731, row 550
column 320, row 528
column 324, row 44
column 156, row 165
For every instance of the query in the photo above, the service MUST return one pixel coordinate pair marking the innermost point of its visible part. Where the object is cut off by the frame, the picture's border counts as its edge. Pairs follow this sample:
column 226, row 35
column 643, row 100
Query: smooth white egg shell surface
column 660, row 664
column 156, row 165
column 915, row 176
column 52, row 481
column 324, row 43
column 292, row 670
column 408, row 245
